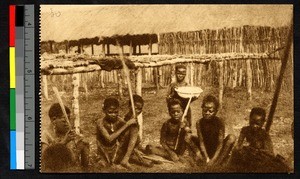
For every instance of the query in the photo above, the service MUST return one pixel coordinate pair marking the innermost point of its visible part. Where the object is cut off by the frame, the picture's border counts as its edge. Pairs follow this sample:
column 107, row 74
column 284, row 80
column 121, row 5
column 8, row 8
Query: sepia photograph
column 166, row 88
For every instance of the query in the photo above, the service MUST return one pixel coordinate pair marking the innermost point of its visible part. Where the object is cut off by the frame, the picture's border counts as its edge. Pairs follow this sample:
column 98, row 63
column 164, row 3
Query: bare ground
column 235, row 111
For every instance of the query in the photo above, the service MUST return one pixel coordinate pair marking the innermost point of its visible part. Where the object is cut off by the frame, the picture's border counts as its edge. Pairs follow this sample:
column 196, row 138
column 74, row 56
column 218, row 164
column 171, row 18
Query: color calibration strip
column 12, row 75
column 21, row 62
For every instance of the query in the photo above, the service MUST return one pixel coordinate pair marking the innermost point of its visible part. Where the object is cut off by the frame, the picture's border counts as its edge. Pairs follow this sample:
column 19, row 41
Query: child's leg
column 157, row 150
column 189, row 116
column 132, row 139
column 228, row 144
column 84, row 149
column 193, row 145
column 137, row 158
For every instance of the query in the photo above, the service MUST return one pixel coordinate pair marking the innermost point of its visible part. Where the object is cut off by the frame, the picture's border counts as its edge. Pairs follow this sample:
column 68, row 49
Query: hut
column 223, row 45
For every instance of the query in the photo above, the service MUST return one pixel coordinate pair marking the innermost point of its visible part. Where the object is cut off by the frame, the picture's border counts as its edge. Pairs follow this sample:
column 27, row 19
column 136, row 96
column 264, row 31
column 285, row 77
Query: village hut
column 223, row 45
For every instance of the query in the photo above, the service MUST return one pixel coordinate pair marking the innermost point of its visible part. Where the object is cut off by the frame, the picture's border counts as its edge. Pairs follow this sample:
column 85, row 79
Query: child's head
column 210, row 106
column 175, row 109
column 138, row 104
column 57, row 118
column 257, row 117
column 180, row 72
column 111, row 108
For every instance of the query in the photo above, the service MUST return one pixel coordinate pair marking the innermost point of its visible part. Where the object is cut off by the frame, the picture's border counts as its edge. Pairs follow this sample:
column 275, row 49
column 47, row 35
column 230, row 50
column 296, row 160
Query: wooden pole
column 192, row 71
column 45, row 86
column 61, row 105
column 92, row 46
column 139, row 92
column 155, row 71
column 140, row 49
column 126, row 73
column 280, row 79
column 150, row 47
column 130, row 48
column 108, row 50
column 120, row 84
column 221, row 83
column 249, row 79
column 139, row 81
column 103, row 49
column 75, row 101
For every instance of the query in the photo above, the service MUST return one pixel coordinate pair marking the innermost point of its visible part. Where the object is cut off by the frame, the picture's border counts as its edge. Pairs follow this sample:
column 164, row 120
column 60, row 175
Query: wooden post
column 85, row 86
column 130, row 48
column 221, row 83
column 103, row 49
column 150, row 47
column 134, row 49
column 192, row 71
column 140, row 49
column 235, row 75
column 139, row 81
column 120, row 84
column 249, row 79
column 92, row 45
column 75, row 101
column 108, row 50
column 45, row 86
column 155, row 71
column 102, row 78
column 139, row 92
column 51, row 46
column 67, row 47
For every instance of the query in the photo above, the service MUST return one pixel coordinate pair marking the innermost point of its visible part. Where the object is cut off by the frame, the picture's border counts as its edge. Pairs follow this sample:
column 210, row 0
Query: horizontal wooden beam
column 59, row 65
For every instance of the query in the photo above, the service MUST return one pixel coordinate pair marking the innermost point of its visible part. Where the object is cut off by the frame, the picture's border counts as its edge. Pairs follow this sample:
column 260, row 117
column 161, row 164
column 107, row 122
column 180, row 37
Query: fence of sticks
column 248, row 56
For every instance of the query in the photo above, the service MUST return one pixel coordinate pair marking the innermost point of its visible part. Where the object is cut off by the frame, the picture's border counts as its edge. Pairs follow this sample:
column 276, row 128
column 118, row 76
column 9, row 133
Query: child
column 60, row 139
column 258, row 156
column 209, row 146
column 116, row 138
column 136, row 157
column 254, row 134
column 169, row 134
column 180, row 73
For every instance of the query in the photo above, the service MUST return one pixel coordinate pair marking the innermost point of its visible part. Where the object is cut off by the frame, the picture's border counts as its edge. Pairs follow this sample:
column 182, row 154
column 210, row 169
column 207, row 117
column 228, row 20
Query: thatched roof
column 76, row 22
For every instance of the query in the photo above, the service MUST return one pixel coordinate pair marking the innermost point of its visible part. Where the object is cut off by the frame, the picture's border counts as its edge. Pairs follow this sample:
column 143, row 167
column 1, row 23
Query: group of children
column 118, row 141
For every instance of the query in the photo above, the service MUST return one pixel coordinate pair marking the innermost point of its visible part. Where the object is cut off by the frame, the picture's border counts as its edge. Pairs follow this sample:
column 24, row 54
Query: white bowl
column 189, row 91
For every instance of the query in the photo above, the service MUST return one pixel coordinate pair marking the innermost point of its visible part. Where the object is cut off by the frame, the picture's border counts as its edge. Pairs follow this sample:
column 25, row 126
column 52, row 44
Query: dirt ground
column 235, row 111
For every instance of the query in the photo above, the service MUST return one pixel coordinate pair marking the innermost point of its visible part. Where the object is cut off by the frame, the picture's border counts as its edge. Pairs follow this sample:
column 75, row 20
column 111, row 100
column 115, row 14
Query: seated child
column 169, row 134
column 180, row 73
column 60, row 146
column 116, row 138
column 138, row 105
column 255, row 135
column 258, row 156
column 209, row 146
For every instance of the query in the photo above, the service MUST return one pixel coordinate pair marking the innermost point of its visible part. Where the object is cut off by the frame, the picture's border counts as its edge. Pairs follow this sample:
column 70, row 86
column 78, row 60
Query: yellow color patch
column 12, row 67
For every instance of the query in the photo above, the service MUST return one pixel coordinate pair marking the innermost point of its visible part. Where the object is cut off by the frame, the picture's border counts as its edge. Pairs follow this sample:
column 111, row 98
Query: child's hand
column 132, row 121
column 182, row 125
column 69, row 136
column 174, row 157
column 199, row 156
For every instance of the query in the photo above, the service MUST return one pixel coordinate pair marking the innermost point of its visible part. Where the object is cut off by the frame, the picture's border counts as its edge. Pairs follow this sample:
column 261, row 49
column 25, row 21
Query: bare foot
column 126, row 165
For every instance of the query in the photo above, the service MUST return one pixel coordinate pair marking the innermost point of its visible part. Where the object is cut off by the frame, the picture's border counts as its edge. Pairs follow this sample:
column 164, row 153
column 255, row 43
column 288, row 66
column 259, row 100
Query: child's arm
column 200, row 137
column 170, row 91
column 268, row 145
column 220, row 143
column 163, row 136
column 116, row 134
column 241, row 138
